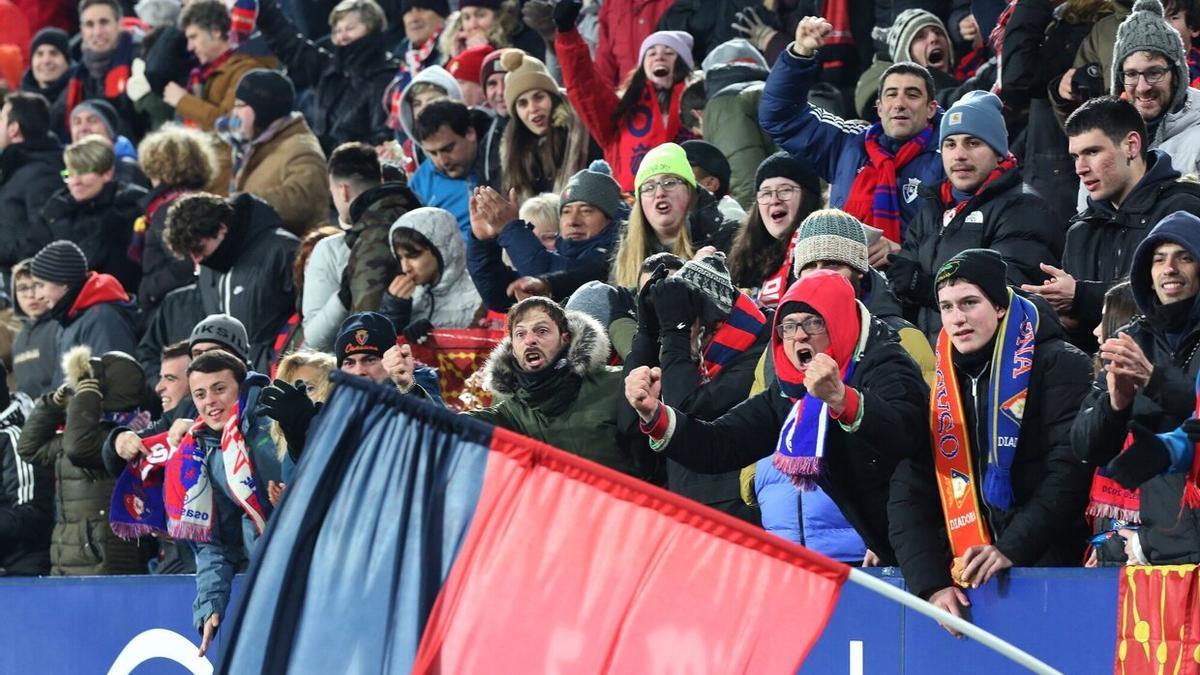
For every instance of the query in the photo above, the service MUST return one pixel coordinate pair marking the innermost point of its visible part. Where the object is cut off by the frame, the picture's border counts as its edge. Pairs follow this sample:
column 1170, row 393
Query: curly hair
column 178, row 157
column 193, row 218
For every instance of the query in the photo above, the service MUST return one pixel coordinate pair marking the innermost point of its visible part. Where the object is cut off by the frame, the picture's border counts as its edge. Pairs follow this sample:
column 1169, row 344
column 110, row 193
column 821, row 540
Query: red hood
column 831, row 296
column 98, row 288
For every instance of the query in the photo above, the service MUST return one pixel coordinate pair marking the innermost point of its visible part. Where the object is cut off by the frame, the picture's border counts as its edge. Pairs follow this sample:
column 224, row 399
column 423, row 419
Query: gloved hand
column 1191, row 427
column 59, row 397
column 909, row 281
column 647, row 317
column 138, row 85
column 1140, row 462
column 750, row 25
column 566, row 12
column 417, row 331
column 289, row 405
column 1087, row 82
column 677, row 302
column 90, row 384
column 539, row 16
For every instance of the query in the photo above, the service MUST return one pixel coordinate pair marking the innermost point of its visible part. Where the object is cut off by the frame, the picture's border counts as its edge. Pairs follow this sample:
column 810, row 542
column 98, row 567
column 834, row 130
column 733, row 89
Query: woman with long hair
column 546, row 143
column 786, row 191
column 647, row 114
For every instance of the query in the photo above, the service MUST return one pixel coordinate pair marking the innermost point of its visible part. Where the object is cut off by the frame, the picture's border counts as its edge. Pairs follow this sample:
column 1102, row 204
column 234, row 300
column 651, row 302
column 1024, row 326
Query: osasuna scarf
column 955, row 207
column 737, row 334
column 1003, row 410
column 137, row 507
column 875, row 196
column 114, row 80
column 801, row 445
column 773, row 287
column 1109, row 499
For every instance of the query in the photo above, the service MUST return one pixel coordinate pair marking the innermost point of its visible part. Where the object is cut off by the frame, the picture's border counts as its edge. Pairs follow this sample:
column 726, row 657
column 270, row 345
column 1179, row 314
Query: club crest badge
column 910, row 189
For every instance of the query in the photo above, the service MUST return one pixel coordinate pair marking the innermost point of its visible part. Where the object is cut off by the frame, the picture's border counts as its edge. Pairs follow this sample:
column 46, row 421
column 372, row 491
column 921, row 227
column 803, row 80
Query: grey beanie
column 1145, row 30
column 593, row 187
column 224, row 330
column 978, row 114
column 61, row 262
column 903, row 31
column 602, row 302
column 711, row 276
column 830, row 234
column 736, row 50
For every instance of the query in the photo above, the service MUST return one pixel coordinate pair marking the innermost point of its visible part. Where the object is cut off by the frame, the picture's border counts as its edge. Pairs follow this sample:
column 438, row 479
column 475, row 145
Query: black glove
column 417, row 331
column 1087, row 82
column 289, row 405
column 539, row 16
column 646, row 316
column 565, row 14
column 1191, row 427
column 909, row 281
column 1140, row 462
column 677, row 302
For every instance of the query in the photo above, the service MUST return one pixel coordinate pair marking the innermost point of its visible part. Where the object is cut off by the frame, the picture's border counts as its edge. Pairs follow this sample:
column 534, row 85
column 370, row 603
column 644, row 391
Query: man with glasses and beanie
column 847, row 405
column 1001, row 476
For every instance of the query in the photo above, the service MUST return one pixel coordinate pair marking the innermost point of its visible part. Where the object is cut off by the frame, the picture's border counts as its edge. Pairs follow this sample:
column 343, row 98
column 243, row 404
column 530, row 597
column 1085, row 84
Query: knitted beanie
column 711, row 276
column 1145, row 30
column 904, row 30
column 978, row 114
column 364, row 333
column 595, row 188
column 61, row 262
column 783, row 165
column 269, row 94
column 102, row 109
column 982, row 267
column 830, row 234
column 55, row 37
column 678, row 40
column 666, row 158
column 708, row 157
column 491, row 64
column 224, row 330
column 158, row 13
column 469, row 62
column 440, row 7
column 737, row 50
column 525, row 73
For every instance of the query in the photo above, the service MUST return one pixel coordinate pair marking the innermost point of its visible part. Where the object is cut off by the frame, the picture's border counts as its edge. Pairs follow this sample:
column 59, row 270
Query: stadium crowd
column 910, row 284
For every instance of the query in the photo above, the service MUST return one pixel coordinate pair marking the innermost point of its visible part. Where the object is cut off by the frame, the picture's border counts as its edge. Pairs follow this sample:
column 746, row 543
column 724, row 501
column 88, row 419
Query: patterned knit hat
column 830, row 234
column 904, row 30
column 61, row 262
column 666, row 158
column 595, row 188
column 1145, row 30
column 525, row 73
column 710, row 275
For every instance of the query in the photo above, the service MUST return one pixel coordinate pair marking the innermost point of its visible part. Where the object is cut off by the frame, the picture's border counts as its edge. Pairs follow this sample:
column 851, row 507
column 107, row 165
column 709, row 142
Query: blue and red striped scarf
column 737, row 334
column 875, row 196
column 114, row 80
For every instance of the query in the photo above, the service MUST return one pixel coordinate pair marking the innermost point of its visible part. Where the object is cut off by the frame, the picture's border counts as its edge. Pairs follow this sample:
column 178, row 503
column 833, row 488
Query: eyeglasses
column 1152, row 75
column 25, row 288
column 667, row 184
column 813, row 325
column 784, row 194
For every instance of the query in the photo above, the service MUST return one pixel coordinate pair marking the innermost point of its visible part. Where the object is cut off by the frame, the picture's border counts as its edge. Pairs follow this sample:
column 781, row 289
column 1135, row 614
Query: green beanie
column 666, row 158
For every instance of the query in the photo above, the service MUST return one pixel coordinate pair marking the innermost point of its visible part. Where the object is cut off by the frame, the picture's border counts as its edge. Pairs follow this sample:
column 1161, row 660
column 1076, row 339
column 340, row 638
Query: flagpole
column 940, row 615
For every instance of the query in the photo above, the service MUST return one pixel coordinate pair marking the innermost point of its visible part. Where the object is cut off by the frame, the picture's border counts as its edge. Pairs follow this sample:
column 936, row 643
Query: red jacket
column 623, row 26
column 42, row 13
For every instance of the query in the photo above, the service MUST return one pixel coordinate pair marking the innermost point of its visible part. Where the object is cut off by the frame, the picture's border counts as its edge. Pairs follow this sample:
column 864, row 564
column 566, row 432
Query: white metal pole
column 942, row 616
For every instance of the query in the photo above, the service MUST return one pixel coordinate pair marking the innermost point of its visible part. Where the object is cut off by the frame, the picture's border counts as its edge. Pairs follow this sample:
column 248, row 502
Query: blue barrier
column 1066, row 617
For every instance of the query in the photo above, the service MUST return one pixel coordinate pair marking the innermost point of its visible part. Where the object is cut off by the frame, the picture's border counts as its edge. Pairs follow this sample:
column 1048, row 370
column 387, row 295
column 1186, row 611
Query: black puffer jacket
column 1101, row 241
column 1003, row 216
column 56, row 95
column 29, row 173
column 856, row 472
column 348, row 81
column 101, row 226
column 250, row 275
column 162, row 272
column 1046, row 526
column 171, row 322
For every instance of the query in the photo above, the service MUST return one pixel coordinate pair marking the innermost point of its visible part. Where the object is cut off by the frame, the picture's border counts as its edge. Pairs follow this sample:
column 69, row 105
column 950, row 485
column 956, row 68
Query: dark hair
column 635, row 87
column 693, row 99
column 30, row 111
column 672, row 262
column 216, row 360
column 439, row 113
column 908, row 68
column 192, row 218
column 1112, row 116
column 1191, row 11
column 357, row 163
column 175, row 350
column 206, row 15
column 410, row 241
column 118, row 11
column 526, row 158
column 551, row 308
column 755, row 255
column 1119, row 310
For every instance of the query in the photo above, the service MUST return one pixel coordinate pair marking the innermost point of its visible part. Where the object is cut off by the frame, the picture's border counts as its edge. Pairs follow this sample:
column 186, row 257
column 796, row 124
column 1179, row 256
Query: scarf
column 1191, row 489
column 200, row 74
column 551, row 389
column 773, row 287
column 137, row 245
column 115, row 77
column 1108, row 499
column 242, row 18
column 955, row 207
column 1008, row 386
column 137, row 508
column 875, row 197
column 643, row 128
column 244, row 150
column 839, row 43
column 414, row 57
column 735, row 335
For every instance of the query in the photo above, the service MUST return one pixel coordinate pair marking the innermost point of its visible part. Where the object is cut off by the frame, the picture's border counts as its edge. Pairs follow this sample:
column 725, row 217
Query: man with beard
column 873, row 173
column 981, row 204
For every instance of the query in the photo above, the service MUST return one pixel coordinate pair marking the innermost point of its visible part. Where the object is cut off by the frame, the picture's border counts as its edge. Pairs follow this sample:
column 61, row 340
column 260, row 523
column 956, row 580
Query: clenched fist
column 399, row 364
column 810, row 35
column 823, row 379
column 643, row 386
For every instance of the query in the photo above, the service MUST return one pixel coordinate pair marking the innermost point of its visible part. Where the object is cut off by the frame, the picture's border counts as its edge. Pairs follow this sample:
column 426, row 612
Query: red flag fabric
column 459, row 355
column 1158, row 620
column 572, row 567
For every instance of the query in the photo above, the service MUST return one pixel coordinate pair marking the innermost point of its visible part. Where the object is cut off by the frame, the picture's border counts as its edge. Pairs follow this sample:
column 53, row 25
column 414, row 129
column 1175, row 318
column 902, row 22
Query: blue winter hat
column 978, row 114
column 1181, row 228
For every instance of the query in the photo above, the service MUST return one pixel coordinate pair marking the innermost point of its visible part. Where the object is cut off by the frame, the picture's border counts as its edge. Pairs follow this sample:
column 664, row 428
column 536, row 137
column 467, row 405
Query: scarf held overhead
column 875, row 196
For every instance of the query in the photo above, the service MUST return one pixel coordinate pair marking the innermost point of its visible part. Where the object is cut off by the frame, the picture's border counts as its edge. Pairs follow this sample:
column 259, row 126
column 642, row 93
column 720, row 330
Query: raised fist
column 643, row 385
column 810, row 35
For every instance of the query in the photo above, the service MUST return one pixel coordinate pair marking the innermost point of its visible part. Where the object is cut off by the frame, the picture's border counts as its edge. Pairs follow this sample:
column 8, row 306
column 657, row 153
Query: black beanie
column 706, row 156
column 364, row 333
column 982, row 267
column 441, row 7
column 269, row 94
column 783, row 165
column 61, row 262
column 55, row 37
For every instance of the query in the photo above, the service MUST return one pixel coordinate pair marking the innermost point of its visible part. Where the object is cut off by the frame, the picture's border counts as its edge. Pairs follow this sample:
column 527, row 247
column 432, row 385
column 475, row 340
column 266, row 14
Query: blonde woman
column 311, row 367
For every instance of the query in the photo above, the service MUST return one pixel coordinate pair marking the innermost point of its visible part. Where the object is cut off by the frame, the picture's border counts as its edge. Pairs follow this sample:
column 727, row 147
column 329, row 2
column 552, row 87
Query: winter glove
column 90, row 384
column 1087, row 82
column 909, row 282
column 137, row 85
column 290, row 406
column 1191, row 427
column 648, row 323
column 1140, row 462
column 565, row 14
column 539, row 16
column 751, row 27
column 677, row 303
column 417, row 331
column 59, row 397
